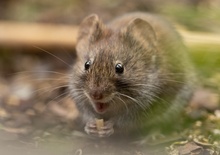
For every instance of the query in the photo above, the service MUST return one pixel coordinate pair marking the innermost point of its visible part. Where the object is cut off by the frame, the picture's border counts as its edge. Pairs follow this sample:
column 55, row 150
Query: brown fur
column 157, row 77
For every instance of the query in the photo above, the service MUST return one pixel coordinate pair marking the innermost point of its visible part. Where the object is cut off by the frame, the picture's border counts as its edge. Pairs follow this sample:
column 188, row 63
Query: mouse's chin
column 100, row 107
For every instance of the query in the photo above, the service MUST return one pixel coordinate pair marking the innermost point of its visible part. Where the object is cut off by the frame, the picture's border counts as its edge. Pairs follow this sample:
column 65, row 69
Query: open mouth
column 101, row 107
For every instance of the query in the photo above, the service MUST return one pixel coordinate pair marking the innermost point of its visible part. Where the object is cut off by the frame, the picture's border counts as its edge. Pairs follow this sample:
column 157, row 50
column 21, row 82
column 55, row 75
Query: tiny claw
column 90, row 128
column 106, row 131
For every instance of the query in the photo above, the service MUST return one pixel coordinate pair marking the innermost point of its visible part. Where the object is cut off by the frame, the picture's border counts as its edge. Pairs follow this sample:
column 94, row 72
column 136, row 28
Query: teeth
column 101, row 107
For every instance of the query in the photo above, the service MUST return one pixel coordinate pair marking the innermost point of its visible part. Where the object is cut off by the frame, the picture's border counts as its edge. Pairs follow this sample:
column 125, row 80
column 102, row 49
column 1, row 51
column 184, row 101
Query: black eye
column 119, row 68
column 87, row 65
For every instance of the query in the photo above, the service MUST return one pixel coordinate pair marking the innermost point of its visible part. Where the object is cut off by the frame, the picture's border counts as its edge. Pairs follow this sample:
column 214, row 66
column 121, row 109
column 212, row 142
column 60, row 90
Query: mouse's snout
column 103, row 94
column 96, row 94
column 100, row 98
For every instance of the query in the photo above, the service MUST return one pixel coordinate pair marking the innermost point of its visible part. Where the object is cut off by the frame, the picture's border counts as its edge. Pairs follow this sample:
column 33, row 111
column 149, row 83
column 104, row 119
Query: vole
column 133, row 72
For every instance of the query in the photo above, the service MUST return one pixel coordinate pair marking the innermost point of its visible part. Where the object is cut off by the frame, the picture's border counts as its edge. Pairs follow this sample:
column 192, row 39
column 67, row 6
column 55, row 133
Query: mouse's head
column 115, row 68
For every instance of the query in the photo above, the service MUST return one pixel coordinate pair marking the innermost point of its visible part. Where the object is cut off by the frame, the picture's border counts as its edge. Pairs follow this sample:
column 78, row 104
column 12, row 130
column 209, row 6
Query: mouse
column 132, row 72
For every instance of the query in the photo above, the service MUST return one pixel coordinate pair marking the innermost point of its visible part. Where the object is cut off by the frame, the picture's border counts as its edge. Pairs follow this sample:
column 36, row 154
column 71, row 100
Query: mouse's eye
column 119, row 68
column 87, row 65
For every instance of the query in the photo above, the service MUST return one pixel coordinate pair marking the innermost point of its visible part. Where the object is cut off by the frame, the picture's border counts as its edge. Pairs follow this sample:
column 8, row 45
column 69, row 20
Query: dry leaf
column 190, row 148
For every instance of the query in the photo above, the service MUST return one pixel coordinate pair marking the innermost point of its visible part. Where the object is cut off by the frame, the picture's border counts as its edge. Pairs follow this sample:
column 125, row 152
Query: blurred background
column 195, row 14
column 37, row 39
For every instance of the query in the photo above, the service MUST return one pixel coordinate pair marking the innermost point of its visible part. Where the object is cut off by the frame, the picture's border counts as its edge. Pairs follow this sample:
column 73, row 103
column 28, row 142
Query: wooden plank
column 200, row 39
column 35, row 34
column 28, row 34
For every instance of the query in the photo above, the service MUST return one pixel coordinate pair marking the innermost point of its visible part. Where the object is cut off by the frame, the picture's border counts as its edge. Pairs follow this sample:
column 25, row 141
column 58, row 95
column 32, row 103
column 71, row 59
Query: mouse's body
column 133, row 73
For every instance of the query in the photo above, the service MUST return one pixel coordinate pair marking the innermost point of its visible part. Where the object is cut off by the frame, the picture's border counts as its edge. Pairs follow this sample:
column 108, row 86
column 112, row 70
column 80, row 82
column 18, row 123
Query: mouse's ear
column 139, row 30
column 91, row 28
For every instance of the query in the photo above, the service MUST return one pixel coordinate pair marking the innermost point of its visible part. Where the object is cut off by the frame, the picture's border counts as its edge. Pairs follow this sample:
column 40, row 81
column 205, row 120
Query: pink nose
column 96, row 95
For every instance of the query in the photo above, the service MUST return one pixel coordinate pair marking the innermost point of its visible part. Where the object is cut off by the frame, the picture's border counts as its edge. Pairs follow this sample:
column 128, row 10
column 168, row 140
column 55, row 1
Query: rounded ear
column 139, row 30
column 91, row 28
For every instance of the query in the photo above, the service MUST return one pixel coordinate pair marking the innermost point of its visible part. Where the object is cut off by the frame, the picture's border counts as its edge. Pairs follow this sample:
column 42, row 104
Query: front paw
column 105, row 131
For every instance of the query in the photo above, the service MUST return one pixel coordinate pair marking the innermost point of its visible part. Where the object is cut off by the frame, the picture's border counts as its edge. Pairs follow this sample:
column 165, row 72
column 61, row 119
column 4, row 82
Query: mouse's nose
column 96, row 94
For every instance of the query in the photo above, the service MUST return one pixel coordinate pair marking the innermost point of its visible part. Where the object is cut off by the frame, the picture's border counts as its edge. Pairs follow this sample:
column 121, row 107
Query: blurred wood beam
column 200, row 39
column 35, row 34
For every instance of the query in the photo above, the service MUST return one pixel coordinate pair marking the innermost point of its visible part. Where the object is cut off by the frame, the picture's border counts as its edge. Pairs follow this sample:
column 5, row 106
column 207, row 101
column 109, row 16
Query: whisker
column 23, row 72
column 123, row 103
column 45, row 90
column 40, row 79
column 63, row 86
column 147, row 85
column 169, row 80
column 79, row 95
column 131, row 98
column 31, row 78
column 82, row 98
column 53, row 56
column 67, row 53
column 59, row 96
